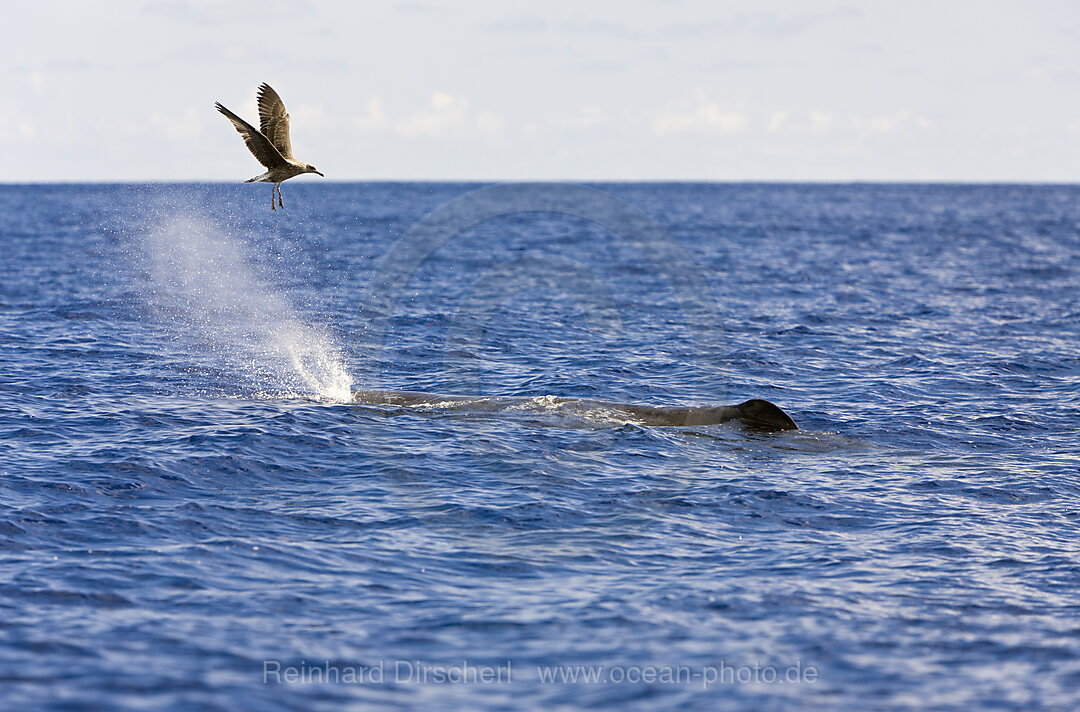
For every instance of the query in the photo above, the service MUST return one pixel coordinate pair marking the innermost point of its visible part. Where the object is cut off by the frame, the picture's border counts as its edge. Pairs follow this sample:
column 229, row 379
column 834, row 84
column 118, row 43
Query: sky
column 578, row 90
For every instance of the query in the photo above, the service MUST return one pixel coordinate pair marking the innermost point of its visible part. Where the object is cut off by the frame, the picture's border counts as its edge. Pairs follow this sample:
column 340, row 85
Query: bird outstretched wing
column 259, row 145
column 274, row 120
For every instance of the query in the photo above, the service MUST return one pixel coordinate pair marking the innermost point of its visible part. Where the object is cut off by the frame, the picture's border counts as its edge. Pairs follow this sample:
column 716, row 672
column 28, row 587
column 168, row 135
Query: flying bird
column 270, row 143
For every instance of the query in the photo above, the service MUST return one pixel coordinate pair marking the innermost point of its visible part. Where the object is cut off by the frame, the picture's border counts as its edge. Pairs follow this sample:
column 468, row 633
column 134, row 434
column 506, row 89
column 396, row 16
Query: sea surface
column 195, row 516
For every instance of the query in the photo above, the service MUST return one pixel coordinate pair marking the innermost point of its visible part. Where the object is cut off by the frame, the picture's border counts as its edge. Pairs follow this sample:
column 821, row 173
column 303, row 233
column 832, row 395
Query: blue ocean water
column 193, row 515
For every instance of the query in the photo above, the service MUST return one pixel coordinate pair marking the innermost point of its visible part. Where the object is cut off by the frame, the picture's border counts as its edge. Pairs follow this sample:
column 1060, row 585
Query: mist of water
column 206, row 289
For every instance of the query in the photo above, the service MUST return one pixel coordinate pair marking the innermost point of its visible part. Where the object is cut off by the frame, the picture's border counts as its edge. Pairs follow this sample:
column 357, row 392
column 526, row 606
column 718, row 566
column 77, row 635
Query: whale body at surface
column 756, row 414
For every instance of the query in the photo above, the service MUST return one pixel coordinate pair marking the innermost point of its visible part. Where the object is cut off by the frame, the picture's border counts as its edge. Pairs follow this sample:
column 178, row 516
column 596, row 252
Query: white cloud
column 889, row 123
column 374, row 116
column 820, row 122
column 706, row 117
column 36, row 81
column 586, row 117
column 187, row 127
column 445, row 114
column 490, row 124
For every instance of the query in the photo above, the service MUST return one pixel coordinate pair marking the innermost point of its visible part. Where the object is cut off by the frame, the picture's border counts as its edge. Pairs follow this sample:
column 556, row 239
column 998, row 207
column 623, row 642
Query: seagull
column 270, row 142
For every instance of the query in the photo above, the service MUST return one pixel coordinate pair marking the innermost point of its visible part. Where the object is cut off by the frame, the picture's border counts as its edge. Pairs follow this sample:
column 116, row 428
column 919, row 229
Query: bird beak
column 320, row 174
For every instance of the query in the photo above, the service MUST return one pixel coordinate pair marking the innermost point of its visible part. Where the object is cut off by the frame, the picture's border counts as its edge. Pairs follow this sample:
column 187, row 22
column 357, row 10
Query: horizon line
column 681, row 181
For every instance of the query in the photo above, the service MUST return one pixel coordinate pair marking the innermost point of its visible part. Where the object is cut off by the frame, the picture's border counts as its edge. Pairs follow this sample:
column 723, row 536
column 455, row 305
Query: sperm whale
column 754, row 414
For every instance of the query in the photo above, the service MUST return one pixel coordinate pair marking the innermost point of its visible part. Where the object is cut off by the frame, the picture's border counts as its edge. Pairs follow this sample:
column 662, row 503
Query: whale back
column 754, row 414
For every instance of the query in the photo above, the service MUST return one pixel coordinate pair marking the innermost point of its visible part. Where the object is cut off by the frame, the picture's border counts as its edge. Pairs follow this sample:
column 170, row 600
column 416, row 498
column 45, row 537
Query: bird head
column 308, row 168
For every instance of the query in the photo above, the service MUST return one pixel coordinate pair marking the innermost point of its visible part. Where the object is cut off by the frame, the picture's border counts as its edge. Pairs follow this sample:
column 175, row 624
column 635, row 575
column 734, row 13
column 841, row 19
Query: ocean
column 195, row 515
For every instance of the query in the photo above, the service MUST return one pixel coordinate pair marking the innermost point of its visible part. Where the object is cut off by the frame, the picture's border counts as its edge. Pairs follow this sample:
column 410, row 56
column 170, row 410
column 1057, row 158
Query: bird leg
column 273, row 189
column 279, row 196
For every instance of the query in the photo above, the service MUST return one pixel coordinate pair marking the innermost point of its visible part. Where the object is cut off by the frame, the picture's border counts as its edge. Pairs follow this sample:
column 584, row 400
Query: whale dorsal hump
column 763, row 415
